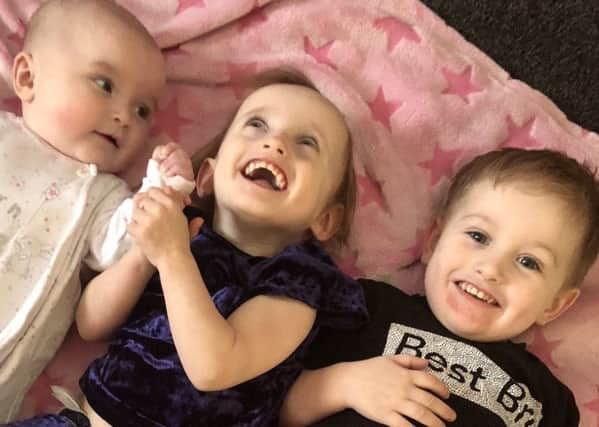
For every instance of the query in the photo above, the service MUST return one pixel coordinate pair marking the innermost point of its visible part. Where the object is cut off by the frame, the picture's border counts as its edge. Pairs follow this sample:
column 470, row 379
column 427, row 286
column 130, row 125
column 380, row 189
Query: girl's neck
column 253, row 238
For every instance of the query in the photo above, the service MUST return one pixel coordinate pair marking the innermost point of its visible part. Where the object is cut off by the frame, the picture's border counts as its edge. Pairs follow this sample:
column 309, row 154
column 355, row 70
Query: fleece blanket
column 420, row 101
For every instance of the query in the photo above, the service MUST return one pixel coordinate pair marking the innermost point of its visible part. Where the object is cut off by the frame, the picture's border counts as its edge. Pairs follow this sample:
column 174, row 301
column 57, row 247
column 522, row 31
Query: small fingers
column 421, row 414
column 161, row 152
column 434, row 407
column 427, row 381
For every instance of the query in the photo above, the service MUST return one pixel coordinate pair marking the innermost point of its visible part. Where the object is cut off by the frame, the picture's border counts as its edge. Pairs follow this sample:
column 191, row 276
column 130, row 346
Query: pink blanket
column 420, row 101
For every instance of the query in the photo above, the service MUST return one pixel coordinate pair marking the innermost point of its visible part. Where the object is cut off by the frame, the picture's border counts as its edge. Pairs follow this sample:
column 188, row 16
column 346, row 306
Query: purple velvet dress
column 141, row 382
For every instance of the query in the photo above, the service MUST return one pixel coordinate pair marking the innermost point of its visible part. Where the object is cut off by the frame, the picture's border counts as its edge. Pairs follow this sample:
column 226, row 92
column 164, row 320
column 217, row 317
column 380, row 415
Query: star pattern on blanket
column 371, row 191
column 12, row 104
column 382, row 109
column 593, row 405
column 17, row 37
column 321, row 53
column 188, row 4
column 415, row 251
column 237, row 73
column 168, row 120
column 460, row 84
column 542, row 348
column 396, row 31
column 255, row 17
column 521, row 136
column 441, row 164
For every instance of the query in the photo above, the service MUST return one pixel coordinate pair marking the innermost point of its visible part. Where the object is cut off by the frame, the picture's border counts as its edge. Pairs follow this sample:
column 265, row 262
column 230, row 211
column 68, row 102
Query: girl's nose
column 276, row 144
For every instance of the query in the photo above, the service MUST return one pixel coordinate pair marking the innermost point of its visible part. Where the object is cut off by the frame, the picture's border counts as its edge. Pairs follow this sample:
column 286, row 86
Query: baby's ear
column 205, row 178
column 328, row 222
column 22, row 76
column 562, row 301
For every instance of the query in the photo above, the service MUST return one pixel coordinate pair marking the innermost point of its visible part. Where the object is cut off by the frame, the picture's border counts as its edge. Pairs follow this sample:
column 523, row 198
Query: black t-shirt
column 492, row 384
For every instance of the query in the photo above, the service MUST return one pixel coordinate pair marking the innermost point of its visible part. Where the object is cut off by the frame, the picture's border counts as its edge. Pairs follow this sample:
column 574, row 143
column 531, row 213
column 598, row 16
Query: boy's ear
column 328, row 222
column 205, row 178
column 22, row 76
column 431, row 241
column 561, row 303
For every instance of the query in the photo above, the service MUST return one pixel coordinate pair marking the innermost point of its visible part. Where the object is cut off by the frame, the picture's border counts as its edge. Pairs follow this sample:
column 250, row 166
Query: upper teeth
column 468, row 288
column 280, row 181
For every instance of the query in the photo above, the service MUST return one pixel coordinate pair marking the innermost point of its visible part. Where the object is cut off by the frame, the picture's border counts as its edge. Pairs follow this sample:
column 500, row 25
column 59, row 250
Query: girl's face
column 281, row 162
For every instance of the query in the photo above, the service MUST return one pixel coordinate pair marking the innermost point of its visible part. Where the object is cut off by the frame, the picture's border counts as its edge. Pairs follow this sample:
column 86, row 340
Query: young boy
column 513, row 240
column 88, row 78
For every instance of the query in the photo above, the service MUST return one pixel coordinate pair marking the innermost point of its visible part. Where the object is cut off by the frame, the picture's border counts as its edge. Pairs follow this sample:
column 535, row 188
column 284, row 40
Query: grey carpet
column 552, row 45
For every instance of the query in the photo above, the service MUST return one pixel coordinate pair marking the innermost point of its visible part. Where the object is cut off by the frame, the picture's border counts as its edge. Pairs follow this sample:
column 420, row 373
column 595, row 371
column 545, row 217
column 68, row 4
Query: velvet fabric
column 141, row 382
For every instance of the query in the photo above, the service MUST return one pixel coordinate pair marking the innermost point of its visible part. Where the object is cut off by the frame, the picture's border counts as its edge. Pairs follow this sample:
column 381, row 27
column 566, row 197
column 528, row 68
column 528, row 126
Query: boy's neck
column 250, row 237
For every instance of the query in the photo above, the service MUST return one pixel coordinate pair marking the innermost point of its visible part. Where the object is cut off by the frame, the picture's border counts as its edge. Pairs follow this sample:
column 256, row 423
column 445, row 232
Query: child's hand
column 158, row 224
column 173, row 161
column 387, row 388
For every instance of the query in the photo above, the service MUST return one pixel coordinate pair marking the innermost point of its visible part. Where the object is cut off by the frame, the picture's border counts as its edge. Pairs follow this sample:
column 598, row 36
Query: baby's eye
column 256, row 123
column 529, row 262
column 104, row 84
column 478, row 237
column 309, row 141
column 143, row 111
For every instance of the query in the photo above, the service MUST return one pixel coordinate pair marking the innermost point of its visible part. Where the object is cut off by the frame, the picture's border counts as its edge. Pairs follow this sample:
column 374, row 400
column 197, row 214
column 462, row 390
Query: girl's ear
column 431, row 241
column 562, row 301
column 205, row 178
column 328, row 222
column 22, row 76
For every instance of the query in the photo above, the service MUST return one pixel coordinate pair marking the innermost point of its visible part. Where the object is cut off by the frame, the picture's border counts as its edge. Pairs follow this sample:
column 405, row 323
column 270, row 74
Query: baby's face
column 94, row 99
column 282, row 159
column 500, row 262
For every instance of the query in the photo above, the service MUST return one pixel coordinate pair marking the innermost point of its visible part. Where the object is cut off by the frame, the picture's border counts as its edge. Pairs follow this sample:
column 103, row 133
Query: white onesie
column 54, row 213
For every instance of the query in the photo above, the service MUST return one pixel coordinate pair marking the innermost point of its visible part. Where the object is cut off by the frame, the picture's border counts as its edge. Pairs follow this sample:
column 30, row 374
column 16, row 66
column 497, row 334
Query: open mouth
column 265, row 174
column 111, row 139
column 476, row 293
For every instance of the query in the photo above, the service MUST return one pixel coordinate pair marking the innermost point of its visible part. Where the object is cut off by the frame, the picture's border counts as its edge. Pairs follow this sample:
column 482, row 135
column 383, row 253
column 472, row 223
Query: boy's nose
column 490, row 268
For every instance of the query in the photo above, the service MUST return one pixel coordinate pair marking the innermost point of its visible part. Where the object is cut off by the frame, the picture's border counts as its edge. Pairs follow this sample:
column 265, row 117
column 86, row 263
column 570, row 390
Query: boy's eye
column 477, row 236
column 143, row 111
column 104, row 84
column 529, row 262
column 256, row 123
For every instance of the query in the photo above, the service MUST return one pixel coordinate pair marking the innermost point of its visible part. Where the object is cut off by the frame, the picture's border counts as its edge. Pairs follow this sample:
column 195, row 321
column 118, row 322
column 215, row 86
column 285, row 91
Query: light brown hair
column 546, row 171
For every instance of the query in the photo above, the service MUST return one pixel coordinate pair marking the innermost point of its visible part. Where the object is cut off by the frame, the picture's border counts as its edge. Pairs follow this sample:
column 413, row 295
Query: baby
column 88, row 77
column 514, row 238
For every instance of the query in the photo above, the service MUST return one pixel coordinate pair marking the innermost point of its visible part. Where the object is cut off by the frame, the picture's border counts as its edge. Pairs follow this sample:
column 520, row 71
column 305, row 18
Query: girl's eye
column 143, row 111
column 529, row 262
column 104, row 84
column 309, row 141
column 478, row 237
column 256, row 123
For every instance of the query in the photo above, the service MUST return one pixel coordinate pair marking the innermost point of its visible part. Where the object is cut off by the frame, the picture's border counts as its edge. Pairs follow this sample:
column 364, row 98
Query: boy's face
column 282, row 160
column 94, row 100
column 498, row 264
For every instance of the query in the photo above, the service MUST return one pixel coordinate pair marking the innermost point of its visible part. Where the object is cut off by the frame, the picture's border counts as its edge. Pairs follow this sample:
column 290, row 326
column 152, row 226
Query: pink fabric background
column 420, row 101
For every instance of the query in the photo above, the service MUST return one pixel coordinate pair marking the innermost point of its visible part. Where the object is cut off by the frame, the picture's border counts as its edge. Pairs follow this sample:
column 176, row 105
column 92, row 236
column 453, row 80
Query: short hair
column 548, row 171
column 346, row 192
column 41, row 19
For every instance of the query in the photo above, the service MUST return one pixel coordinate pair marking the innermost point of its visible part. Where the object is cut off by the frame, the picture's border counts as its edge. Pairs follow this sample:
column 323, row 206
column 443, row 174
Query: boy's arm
column 385, row 389
column 109, row 297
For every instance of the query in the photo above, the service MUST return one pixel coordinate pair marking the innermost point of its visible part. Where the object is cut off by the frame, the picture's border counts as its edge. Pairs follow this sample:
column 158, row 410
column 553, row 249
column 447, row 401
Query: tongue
column 263, row 183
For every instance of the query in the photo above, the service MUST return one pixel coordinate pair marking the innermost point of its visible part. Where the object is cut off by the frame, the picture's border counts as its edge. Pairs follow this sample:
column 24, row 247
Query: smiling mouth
column 476, row 293
column 111, row 139
column 265, row 174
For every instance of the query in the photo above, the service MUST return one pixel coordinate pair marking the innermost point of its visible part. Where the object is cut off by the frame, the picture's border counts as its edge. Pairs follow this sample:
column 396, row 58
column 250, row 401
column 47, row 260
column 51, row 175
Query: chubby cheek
column 72, row 120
